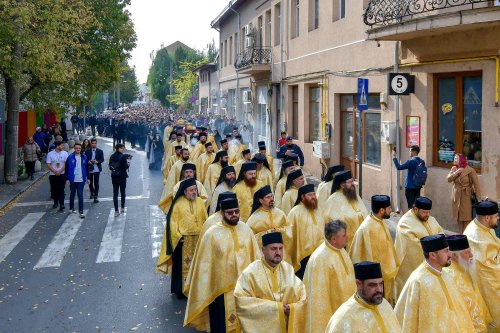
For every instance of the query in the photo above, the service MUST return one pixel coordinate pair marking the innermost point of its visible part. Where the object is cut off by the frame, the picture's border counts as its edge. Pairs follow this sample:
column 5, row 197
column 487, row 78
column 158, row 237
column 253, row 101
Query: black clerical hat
column 379, row 202
column 331, row 171
column 178, row 147
column 259, row 158
column 223, row 141
column 208, row 144
column 261, row 193
column 188, row 166
column 339, row 178
column 245, row 151
column 304, row 189
column 272, row 238
column 292, row 176
column 433, row 243
column 367, row 270
column 223, row 196
column 423, row 203
column 457, row 242
column 485, row 208
column 229, row 204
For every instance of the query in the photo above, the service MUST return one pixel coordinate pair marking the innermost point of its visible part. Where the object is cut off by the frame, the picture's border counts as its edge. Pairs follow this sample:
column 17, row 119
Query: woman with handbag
column 465, row 192
column 30, row 156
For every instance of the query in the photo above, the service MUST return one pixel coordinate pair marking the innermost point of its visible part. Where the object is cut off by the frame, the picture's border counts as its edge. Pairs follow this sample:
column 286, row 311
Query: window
column 230, row 49
column 339, row 9
column 225, row 53
column 295, row 112
column 236, row 51
column 342, row 9
column 314, row 114
column 457, row 118
column 260, row 32
column 351, row 130
column 268, row 29
column 313, row 14
column 277, row 24
column 295, row 18
column 221, row 55
column 371, row 138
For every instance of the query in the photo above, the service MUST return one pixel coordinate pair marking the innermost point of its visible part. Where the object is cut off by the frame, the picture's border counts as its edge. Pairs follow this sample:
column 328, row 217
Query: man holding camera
column 95, row 157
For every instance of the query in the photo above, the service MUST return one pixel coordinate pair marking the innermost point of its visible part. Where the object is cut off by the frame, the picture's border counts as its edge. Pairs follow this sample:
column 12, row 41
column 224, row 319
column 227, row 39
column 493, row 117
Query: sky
column 160, row 22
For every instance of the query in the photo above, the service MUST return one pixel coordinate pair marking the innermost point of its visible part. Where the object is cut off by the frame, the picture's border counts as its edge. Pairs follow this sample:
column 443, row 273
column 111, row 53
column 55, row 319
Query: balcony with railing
column 254, row 60
column 407, row 19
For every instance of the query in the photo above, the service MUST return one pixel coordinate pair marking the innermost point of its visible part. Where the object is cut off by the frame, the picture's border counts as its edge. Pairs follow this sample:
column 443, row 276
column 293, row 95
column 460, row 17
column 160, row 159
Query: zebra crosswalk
column 111, row 244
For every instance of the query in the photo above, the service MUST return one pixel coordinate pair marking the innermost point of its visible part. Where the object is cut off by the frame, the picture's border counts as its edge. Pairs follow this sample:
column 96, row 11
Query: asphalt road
column 59, row 273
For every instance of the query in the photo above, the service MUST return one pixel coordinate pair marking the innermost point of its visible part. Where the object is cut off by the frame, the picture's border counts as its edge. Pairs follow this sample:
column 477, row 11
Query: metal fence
column 253, row 56
column 386, row 12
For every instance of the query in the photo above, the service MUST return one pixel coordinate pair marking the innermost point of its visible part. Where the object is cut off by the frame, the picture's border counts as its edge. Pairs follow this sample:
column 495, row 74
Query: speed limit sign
column 400, row 83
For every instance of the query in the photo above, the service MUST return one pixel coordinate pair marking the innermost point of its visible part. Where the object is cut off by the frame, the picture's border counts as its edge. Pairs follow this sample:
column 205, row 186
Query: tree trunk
column 12, row 91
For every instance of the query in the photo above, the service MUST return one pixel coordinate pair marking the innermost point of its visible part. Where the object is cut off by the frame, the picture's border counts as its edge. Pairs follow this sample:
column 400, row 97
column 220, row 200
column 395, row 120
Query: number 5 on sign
column 400, row 83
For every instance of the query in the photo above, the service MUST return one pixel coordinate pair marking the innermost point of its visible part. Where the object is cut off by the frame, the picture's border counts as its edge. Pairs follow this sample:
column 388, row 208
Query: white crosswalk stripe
column 157, row 224
column 112, row 239
column 16, row 234
column 59, row 246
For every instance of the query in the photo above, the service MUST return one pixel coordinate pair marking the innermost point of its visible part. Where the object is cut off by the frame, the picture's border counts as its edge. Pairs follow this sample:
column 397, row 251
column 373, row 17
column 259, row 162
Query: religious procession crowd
column 259, row 250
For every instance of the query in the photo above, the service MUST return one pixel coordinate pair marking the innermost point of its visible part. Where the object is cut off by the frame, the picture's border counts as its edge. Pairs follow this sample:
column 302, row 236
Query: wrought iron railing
column 386, row 12
column 253, row 56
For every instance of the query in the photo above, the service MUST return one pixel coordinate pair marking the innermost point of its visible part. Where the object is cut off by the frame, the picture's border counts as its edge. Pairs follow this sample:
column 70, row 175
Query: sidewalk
column 9, row 193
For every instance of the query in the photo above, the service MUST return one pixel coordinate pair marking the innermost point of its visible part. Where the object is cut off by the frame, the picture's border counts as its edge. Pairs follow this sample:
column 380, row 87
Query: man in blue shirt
column 289, row 148
column 411, row 190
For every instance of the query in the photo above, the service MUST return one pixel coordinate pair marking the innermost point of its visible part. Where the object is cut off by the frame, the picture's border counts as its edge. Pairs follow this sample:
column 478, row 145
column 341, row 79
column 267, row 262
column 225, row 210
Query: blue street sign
column 362, row 94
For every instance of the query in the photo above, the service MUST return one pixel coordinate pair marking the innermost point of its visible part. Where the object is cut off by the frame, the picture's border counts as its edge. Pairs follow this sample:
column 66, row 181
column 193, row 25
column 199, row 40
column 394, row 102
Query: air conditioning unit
column 496, row 3
column 247, row 96
column 248, row 42
column 321, row 149
column 247, row 29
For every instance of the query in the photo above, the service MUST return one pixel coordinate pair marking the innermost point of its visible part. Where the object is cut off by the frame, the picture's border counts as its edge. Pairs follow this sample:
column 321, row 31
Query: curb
column 24, row 190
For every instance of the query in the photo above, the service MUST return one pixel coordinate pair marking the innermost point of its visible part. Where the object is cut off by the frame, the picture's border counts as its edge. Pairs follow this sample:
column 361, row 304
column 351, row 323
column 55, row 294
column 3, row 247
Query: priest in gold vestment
column 171, row 161
column 280, row 188
column 265, row 217
column 486, row 248
column 413, row 225
column 294, row 181
column 213, row 171
column 184, row 222
column 372, row 242
column 204, row 160
column 246, row 185
column 324, row 189
column 345, row 204
column 430, row 301
column 329, row 278
column 226, row 182
column 246, row 156
column 269, row 158
column 269, row 297
column 199, row 147
column 461, row 264
column 307, row 227
column 264, row 174
column 178, row 142
column 366, row 310
column 224, row 251
column 217, row 215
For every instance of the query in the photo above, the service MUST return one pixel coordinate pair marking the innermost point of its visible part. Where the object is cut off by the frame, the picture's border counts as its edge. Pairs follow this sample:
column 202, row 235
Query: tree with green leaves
column 186, row 82
column 57, row 53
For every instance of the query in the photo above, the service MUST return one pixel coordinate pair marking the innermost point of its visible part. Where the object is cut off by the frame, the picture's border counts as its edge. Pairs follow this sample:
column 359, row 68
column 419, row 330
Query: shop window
column 372, row 138
column 457, row 116
column 295, row 112
column 314, row 114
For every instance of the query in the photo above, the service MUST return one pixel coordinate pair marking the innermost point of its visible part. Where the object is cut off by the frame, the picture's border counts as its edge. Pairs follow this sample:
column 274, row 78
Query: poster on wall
column 412, row 131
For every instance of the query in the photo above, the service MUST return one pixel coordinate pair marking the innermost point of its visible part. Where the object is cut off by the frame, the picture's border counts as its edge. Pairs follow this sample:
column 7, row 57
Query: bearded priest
column 269, row 297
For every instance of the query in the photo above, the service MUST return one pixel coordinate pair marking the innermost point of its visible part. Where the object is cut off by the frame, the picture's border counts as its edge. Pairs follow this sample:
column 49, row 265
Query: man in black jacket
column 118, row 164
column 95, row 157
column 289, row 148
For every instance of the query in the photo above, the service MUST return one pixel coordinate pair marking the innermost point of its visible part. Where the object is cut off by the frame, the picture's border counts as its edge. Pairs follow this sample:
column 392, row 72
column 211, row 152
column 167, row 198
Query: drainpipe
column 282, row 64
column 398, row 148
column 239, row 51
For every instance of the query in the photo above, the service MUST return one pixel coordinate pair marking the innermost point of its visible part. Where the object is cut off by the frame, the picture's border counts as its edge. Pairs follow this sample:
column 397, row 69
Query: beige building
column 314, row 52
column 208, row 88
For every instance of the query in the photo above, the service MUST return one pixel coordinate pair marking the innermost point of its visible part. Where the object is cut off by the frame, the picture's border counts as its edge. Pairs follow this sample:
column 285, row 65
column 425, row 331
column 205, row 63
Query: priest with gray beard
column 462, row 264
column 344, row 204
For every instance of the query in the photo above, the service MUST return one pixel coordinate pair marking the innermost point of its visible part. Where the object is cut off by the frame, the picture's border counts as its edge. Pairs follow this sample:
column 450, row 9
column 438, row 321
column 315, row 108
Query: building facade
column 308, row 85
column 208, row 89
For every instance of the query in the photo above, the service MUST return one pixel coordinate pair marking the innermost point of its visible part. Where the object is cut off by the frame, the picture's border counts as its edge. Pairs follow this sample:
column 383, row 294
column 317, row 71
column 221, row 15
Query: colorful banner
column 412, row 131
